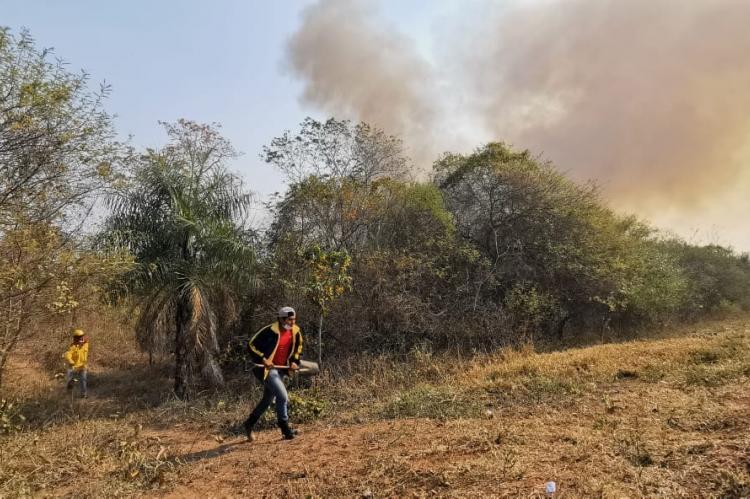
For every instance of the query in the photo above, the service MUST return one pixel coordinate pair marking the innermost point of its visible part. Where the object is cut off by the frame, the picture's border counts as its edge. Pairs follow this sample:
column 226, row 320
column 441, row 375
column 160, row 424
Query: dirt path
column 632, row 440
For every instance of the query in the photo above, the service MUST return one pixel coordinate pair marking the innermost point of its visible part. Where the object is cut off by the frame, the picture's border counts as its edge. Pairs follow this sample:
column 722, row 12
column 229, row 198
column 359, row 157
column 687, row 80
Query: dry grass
column 667, row 417
column 86, row 458
column 709, row 356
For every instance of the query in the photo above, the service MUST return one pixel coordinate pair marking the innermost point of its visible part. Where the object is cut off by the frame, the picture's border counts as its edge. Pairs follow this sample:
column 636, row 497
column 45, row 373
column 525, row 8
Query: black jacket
column 264, row 344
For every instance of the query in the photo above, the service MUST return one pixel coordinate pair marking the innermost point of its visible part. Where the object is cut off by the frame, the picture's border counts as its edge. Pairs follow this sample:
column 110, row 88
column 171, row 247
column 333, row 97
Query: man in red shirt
column 276, row 351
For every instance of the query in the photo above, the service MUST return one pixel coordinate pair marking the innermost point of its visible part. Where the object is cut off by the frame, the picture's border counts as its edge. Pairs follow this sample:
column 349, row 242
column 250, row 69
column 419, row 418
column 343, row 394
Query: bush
column 718, row 280
column 306, row 407
column 425, row 401
column 11, row 419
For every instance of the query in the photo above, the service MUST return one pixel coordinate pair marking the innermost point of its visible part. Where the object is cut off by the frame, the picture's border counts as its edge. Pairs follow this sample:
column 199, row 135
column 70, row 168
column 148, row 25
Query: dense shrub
column 499, row 248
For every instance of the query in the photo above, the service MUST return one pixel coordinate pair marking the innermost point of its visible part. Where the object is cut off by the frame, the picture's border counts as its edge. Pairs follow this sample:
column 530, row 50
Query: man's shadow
column 192, row 457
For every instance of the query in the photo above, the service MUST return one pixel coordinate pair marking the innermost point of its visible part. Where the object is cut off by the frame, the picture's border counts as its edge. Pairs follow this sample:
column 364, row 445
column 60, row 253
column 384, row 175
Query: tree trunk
column 320, row 340
column 561, row 327
column 11, row 334
column 181, row 332
column 180, row 350
column 605, row 325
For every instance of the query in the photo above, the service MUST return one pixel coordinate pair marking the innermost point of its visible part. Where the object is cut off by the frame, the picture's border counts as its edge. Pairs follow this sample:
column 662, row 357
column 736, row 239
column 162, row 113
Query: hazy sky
column 648, row 98
column 218, row 61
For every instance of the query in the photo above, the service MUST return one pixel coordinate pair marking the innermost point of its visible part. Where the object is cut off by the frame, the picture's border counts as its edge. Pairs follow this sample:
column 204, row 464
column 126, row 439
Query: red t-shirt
column 285, row 346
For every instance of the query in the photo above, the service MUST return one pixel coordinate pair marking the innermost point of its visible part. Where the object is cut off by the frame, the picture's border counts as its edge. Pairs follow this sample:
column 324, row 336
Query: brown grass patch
column 667, row 417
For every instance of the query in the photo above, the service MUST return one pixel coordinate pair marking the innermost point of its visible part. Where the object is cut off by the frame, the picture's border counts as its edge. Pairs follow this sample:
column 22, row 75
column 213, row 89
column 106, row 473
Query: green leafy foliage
column 717, row 278
column 56, row 140
column 57, row 154
column 179, row 215
column 306, row 407
column 328, row 276
column 498, row 247
column 557, row 253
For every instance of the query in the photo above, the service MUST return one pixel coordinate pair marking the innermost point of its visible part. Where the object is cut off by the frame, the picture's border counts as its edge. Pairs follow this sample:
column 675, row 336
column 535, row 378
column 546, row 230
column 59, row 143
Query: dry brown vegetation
column 666, row 416
column 497, row 249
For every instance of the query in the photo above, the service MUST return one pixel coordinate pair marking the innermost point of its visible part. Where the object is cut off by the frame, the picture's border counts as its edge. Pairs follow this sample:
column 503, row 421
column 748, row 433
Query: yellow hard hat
column 78, row 333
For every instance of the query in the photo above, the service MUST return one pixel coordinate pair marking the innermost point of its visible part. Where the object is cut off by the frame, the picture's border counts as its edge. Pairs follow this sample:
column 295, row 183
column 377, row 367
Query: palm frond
column 180, row 215
column 155, row 326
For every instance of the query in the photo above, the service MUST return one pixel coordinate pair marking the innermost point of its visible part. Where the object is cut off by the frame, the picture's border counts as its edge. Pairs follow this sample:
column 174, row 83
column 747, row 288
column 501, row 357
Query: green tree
column 327, row 278
column 350, row 194
column 56, row 140
column 57, row 154
column 552, row 240
column 332, row 213
column 333, row 168
column 413, row 284
column 180, row 217
column 716, row 277
column 337, row 149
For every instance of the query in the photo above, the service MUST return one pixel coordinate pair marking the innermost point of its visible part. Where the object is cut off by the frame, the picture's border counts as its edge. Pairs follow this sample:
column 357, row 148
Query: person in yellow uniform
column 77, row 356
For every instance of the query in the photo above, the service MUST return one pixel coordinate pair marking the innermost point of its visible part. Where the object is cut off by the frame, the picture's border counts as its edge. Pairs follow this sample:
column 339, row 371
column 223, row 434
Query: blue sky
column 205, row 61
column 220, row 61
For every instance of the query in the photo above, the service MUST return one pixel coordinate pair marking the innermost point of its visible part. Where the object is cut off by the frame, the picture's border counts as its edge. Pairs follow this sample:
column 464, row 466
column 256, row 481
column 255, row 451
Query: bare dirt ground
column 631, row 440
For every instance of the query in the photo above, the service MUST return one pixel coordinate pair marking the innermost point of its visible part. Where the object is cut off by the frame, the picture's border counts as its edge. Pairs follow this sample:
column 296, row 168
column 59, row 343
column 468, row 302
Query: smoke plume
column 354, row 66
column 649, row 98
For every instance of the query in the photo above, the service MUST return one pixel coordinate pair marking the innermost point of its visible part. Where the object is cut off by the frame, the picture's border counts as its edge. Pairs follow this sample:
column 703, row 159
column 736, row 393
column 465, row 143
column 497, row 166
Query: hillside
column 665, row 417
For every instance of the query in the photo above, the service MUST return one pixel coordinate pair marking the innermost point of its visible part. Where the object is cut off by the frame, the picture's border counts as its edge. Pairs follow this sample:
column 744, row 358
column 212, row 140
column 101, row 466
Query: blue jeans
column 273, row 388
column 81, row 374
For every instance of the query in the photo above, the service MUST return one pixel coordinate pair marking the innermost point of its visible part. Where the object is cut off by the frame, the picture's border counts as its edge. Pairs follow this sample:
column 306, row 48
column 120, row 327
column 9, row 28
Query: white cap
column 285, row 312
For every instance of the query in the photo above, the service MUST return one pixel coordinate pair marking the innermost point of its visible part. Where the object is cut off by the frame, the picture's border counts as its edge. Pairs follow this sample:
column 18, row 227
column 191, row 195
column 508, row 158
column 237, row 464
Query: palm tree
column 180, row 215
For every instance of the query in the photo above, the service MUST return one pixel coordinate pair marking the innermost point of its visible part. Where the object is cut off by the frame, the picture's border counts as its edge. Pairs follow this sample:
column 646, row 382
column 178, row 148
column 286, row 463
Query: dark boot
column 248, row 426
column 254, row 416
column 250, row 423
column 286, row 431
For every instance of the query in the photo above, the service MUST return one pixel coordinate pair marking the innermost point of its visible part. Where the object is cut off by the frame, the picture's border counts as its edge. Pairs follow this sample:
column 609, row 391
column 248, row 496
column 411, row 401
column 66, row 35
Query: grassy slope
column 665, row 417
